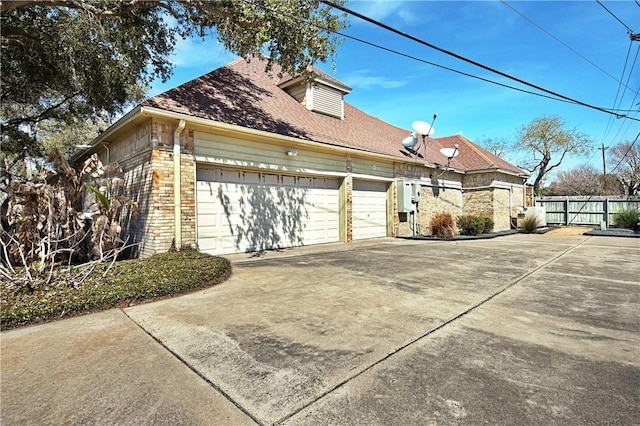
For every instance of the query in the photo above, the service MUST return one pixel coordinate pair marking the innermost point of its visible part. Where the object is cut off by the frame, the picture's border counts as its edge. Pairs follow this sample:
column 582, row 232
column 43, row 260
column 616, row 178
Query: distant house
column 238, row 160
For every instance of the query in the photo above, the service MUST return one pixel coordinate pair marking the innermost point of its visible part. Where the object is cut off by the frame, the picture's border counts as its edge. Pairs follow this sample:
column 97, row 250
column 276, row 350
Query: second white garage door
column 242, row 211
column 369, row 209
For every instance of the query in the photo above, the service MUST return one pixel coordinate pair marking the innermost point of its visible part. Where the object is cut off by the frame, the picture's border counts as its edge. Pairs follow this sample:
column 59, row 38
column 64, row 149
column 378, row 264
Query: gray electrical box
column 405, row 193
column 416, row 192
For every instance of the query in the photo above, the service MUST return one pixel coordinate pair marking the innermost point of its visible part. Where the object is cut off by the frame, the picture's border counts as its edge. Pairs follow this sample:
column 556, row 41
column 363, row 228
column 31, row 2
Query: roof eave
column 234, row 128
column 499, row 170
column 115, row 127
column 341, row 87
column 317, row 79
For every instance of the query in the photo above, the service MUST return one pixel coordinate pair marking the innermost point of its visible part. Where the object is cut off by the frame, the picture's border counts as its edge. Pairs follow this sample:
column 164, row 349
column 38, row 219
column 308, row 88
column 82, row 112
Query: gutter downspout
column 177, row 215
column 511, row 208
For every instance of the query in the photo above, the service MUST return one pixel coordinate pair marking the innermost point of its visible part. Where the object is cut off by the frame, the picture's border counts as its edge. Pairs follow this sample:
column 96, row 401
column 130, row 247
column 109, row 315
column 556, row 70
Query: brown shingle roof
column 241, row 93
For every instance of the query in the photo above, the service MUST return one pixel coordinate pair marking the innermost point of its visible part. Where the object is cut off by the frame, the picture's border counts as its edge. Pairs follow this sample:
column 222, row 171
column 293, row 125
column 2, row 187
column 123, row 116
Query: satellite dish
column 422, row 128
column 450, row 152
column 410, row 141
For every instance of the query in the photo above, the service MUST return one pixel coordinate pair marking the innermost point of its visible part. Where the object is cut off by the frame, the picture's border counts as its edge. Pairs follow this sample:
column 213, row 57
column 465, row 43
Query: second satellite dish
column 422, row 128
column 410, row 141
column 450, row 152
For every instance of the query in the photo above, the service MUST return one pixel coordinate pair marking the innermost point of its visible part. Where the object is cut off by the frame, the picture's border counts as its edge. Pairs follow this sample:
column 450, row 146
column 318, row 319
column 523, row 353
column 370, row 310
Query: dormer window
column 323, row 94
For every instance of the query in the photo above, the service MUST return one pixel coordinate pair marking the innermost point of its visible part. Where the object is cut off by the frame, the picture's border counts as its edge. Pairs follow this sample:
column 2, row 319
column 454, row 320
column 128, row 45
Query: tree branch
column 71, row 4
column 201, row 6
column 8, row 6
column 44, row 115
column 559, row 161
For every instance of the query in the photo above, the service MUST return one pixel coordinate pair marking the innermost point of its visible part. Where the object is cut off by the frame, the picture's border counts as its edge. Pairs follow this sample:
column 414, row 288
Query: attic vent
column 323, row 94
column 326, row 100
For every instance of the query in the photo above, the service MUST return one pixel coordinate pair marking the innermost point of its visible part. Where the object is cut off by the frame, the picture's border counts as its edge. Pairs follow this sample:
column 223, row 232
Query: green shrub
column 529, row 224
column 127, row 282
column 488, row 224
column 470, row 225
column 474, row 225
column 627, row 219
column 442, row 225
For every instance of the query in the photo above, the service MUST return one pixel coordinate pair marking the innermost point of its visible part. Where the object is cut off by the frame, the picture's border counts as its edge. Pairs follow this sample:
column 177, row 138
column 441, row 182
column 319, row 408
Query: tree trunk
column 541, row 173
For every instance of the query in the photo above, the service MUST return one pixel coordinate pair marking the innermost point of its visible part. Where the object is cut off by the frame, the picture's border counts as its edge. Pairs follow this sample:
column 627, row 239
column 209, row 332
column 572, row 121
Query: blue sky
column 400, row 90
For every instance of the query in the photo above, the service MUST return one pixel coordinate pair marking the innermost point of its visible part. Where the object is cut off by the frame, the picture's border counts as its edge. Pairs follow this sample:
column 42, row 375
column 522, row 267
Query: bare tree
column 548, row 141
column 497, row 146
column 625, row 157
column 584, row 180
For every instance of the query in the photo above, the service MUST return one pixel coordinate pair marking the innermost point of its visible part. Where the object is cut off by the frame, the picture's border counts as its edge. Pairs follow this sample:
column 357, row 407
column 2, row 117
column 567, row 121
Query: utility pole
column 604, row 168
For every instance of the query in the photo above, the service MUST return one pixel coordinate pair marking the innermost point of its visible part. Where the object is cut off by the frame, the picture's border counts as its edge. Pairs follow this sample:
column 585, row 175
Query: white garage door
column 242, row 211
column 369, row 209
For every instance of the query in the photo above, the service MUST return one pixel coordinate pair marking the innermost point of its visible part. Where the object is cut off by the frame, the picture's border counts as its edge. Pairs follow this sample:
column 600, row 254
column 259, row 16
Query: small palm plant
column 529, row 224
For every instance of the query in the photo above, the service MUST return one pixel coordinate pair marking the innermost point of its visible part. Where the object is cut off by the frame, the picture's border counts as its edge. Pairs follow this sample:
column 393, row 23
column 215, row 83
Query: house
column 240, row 160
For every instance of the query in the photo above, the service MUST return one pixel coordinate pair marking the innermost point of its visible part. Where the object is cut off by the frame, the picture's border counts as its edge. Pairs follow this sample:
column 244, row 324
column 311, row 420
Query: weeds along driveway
column 527, row 329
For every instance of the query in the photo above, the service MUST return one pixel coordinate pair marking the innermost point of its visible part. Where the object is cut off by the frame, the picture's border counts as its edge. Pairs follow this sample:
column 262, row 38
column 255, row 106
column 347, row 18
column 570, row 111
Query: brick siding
column 145, row 155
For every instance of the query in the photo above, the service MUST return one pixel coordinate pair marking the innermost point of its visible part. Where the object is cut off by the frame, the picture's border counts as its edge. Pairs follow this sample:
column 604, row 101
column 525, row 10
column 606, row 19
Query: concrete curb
column 461, row 237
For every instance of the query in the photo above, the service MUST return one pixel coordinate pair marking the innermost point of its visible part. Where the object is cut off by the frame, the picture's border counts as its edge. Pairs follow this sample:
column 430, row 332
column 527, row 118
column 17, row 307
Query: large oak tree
column 65, row 61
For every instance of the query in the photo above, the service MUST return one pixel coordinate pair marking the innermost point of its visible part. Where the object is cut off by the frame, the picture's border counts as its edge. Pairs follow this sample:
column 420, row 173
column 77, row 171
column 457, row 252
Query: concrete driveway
column 522, row 329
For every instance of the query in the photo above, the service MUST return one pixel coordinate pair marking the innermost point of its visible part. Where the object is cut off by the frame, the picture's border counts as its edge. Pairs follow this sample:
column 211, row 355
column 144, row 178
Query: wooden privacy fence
column 585, row 210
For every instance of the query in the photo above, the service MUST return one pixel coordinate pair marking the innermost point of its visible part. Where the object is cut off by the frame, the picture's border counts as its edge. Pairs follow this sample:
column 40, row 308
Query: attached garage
column 369, row 209
column 242, row 211
column 241, row 160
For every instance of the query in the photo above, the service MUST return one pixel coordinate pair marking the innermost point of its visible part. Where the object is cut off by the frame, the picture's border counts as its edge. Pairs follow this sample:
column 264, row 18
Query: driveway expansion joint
column 198, row 373
column 426, row 334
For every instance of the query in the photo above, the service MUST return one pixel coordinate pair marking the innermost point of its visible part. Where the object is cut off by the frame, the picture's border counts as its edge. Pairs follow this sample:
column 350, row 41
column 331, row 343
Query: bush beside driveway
column 125, row 283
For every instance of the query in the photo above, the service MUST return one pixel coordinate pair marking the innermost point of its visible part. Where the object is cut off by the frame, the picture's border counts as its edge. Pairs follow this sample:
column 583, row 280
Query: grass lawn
column 128, row 282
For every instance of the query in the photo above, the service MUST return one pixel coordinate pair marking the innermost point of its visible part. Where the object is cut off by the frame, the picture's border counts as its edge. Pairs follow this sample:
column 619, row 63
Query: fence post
column 566, row 211
column 606, row 212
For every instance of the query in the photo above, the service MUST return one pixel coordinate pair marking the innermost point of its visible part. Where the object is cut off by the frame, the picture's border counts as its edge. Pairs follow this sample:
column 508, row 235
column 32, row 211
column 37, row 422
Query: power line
column 620, row 81
column 629, row 76
column 613, row 14
column 612, row 111
column 633, row 65
column 615, row 101
column 623, row 93
column 558, row 40
column 415, row 58
column 471, row 61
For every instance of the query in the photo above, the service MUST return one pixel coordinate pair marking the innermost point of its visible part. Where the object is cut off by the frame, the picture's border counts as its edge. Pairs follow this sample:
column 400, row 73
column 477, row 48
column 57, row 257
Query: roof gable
column 243, row 94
